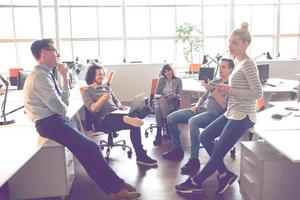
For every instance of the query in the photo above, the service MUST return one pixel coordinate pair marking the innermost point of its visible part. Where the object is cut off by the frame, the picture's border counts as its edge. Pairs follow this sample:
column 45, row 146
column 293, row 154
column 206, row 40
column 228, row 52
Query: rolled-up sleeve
column 65, row 96
column 45, row 90
column 88, row 100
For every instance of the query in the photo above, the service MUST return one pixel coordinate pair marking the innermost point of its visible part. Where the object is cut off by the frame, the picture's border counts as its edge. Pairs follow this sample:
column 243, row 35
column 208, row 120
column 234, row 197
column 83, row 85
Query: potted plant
column 190, row 36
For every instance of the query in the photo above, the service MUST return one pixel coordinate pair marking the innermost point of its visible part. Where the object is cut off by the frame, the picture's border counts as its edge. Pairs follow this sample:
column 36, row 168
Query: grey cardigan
column 176, row 86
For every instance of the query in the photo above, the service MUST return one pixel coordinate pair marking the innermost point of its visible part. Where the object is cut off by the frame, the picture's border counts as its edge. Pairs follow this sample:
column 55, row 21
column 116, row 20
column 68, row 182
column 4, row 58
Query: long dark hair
column 165, row 68
column 91, row 72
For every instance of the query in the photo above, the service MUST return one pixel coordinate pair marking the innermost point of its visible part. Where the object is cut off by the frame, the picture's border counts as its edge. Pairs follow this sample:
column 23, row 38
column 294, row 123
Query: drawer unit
column 265, row 174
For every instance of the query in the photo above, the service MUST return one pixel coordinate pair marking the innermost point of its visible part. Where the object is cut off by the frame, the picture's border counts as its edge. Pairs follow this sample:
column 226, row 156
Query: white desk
column 190, row 85
column 286, row 142
column 281, row 86
column 193, row 85
column 23, row 135
column 266, row 122
column 284, row 134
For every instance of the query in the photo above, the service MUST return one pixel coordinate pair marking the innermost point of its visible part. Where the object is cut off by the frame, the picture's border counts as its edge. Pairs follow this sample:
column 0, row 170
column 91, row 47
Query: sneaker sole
column 146, row 164
column 228, row 184
column 193, row 191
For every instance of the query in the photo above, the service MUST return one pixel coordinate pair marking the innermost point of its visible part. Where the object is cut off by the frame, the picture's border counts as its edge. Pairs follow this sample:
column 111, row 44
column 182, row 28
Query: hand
column 171, row 96
column 209, row 86
column 105, row 97
column 122, row 107
column 223, row 88
column 195, row 109
column 217, row 94
column 63, row 70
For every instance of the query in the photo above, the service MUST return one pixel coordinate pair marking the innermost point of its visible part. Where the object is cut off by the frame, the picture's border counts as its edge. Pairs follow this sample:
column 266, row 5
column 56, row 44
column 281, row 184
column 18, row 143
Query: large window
column 144, row 30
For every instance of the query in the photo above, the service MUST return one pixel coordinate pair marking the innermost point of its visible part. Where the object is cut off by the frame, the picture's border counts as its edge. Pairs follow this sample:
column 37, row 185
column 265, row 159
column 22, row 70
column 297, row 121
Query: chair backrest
column 194, row 68
column 260, row 104
column 152, row 91
column 153, row 86
column 22, row 75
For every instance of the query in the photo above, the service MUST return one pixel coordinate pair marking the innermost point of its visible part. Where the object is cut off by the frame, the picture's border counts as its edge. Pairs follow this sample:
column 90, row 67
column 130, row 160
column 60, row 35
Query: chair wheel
column 129, row 154
column 151, row 130
column 124, row 147
column 146, row 134
column 101, row 147
column 107, row 158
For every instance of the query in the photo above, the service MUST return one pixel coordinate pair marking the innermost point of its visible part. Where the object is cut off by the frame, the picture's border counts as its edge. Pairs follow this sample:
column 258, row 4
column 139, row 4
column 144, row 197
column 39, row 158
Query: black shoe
column 188, row 187
column 158, row 139
column 225, row 182
column 144, row 159
column 175, row 154
column 191, row 167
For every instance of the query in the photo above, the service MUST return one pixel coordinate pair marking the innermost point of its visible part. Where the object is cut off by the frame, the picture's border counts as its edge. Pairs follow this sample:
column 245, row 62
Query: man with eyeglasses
column 46, row 105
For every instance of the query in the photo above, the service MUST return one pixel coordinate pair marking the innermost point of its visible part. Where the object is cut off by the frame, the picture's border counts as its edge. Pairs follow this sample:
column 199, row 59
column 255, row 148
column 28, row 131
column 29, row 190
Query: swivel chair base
column 110, row 144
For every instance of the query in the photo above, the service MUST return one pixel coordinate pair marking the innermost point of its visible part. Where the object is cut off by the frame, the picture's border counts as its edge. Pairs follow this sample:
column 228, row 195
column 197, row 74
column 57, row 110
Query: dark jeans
column 230, row 131
column 115, row 122
column 61, row 130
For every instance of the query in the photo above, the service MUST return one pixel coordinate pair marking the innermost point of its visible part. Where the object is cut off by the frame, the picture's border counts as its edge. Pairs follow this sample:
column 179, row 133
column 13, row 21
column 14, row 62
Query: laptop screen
column 263, row 72
column 206, row 73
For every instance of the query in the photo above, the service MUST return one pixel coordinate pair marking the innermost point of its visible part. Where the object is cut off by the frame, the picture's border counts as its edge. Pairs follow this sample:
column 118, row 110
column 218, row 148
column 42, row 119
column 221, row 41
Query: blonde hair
column 243, row 32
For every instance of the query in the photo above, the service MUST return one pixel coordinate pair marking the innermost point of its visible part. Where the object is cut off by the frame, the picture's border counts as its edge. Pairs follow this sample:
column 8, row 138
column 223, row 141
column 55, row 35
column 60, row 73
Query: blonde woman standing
column 244, row 89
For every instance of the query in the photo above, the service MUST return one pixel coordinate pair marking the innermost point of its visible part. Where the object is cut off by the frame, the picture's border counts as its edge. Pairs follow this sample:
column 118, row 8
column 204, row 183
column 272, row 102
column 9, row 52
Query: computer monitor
column 263, row 72
column 22, row 75
column 206, row 73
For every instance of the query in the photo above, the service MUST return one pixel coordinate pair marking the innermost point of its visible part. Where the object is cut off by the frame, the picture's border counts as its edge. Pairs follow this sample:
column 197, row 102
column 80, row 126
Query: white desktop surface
column 286, row 142
column 20, row 141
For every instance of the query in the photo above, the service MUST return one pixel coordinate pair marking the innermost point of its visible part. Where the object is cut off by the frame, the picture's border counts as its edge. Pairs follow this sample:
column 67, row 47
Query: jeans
column 115, row 122
column 230, row 131
column 195, row 121
column 61, row 130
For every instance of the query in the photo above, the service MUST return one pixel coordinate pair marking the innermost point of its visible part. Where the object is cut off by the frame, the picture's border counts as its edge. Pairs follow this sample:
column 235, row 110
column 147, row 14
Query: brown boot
column 123, row 194
column 128, row 187
column 133, row 121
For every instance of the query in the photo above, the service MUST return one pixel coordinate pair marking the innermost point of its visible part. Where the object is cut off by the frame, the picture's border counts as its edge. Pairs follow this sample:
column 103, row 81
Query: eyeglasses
column 52, row 49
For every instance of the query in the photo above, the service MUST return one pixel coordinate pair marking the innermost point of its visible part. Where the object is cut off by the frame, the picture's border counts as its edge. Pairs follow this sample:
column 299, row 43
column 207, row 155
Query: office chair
column 22, row 75
column 150, row 102
column 91, row 124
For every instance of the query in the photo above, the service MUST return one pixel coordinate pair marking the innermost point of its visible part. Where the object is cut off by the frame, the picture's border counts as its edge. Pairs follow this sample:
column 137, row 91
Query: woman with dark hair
column 167, row 94
column 101, row 102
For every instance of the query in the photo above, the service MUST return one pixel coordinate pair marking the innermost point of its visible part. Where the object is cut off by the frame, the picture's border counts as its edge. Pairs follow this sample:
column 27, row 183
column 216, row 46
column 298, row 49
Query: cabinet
column 265, row 174
column 49, row 173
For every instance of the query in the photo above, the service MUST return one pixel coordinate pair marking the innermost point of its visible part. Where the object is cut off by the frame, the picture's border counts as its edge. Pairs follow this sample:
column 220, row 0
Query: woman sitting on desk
column 101, row 101
column 244, row 89
column 167, row 94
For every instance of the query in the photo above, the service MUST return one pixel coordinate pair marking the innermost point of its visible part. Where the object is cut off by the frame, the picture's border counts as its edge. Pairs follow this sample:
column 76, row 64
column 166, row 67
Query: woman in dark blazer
column 167, row 94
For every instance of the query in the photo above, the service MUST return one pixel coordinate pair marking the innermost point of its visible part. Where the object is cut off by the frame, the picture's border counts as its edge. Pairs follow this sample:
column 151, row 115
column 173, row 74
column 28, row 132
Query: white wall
column 132, row 79
column 285, row 69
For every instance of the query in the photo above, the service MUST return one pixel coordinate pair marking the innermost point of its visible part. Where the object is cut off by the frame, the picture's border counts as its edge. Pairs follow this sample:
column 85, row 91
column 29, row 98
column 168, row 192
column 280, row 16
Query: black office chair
column 22, row 75
column 91, row 124
column 152, row 126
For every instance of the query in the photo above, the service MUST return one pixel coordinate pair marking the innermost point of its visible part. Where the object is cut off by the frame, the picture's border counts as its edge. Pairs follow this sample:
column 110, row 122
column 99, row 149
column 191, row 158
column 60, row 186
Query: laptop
column 138, row 101
column 263, row 72
column 206, row 73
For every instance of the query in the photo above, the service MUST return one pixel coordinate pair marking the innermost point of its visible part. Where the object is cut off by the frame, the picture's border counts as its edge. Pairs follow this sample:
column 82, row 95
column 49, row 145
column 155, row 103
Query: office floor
column 153, row 183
